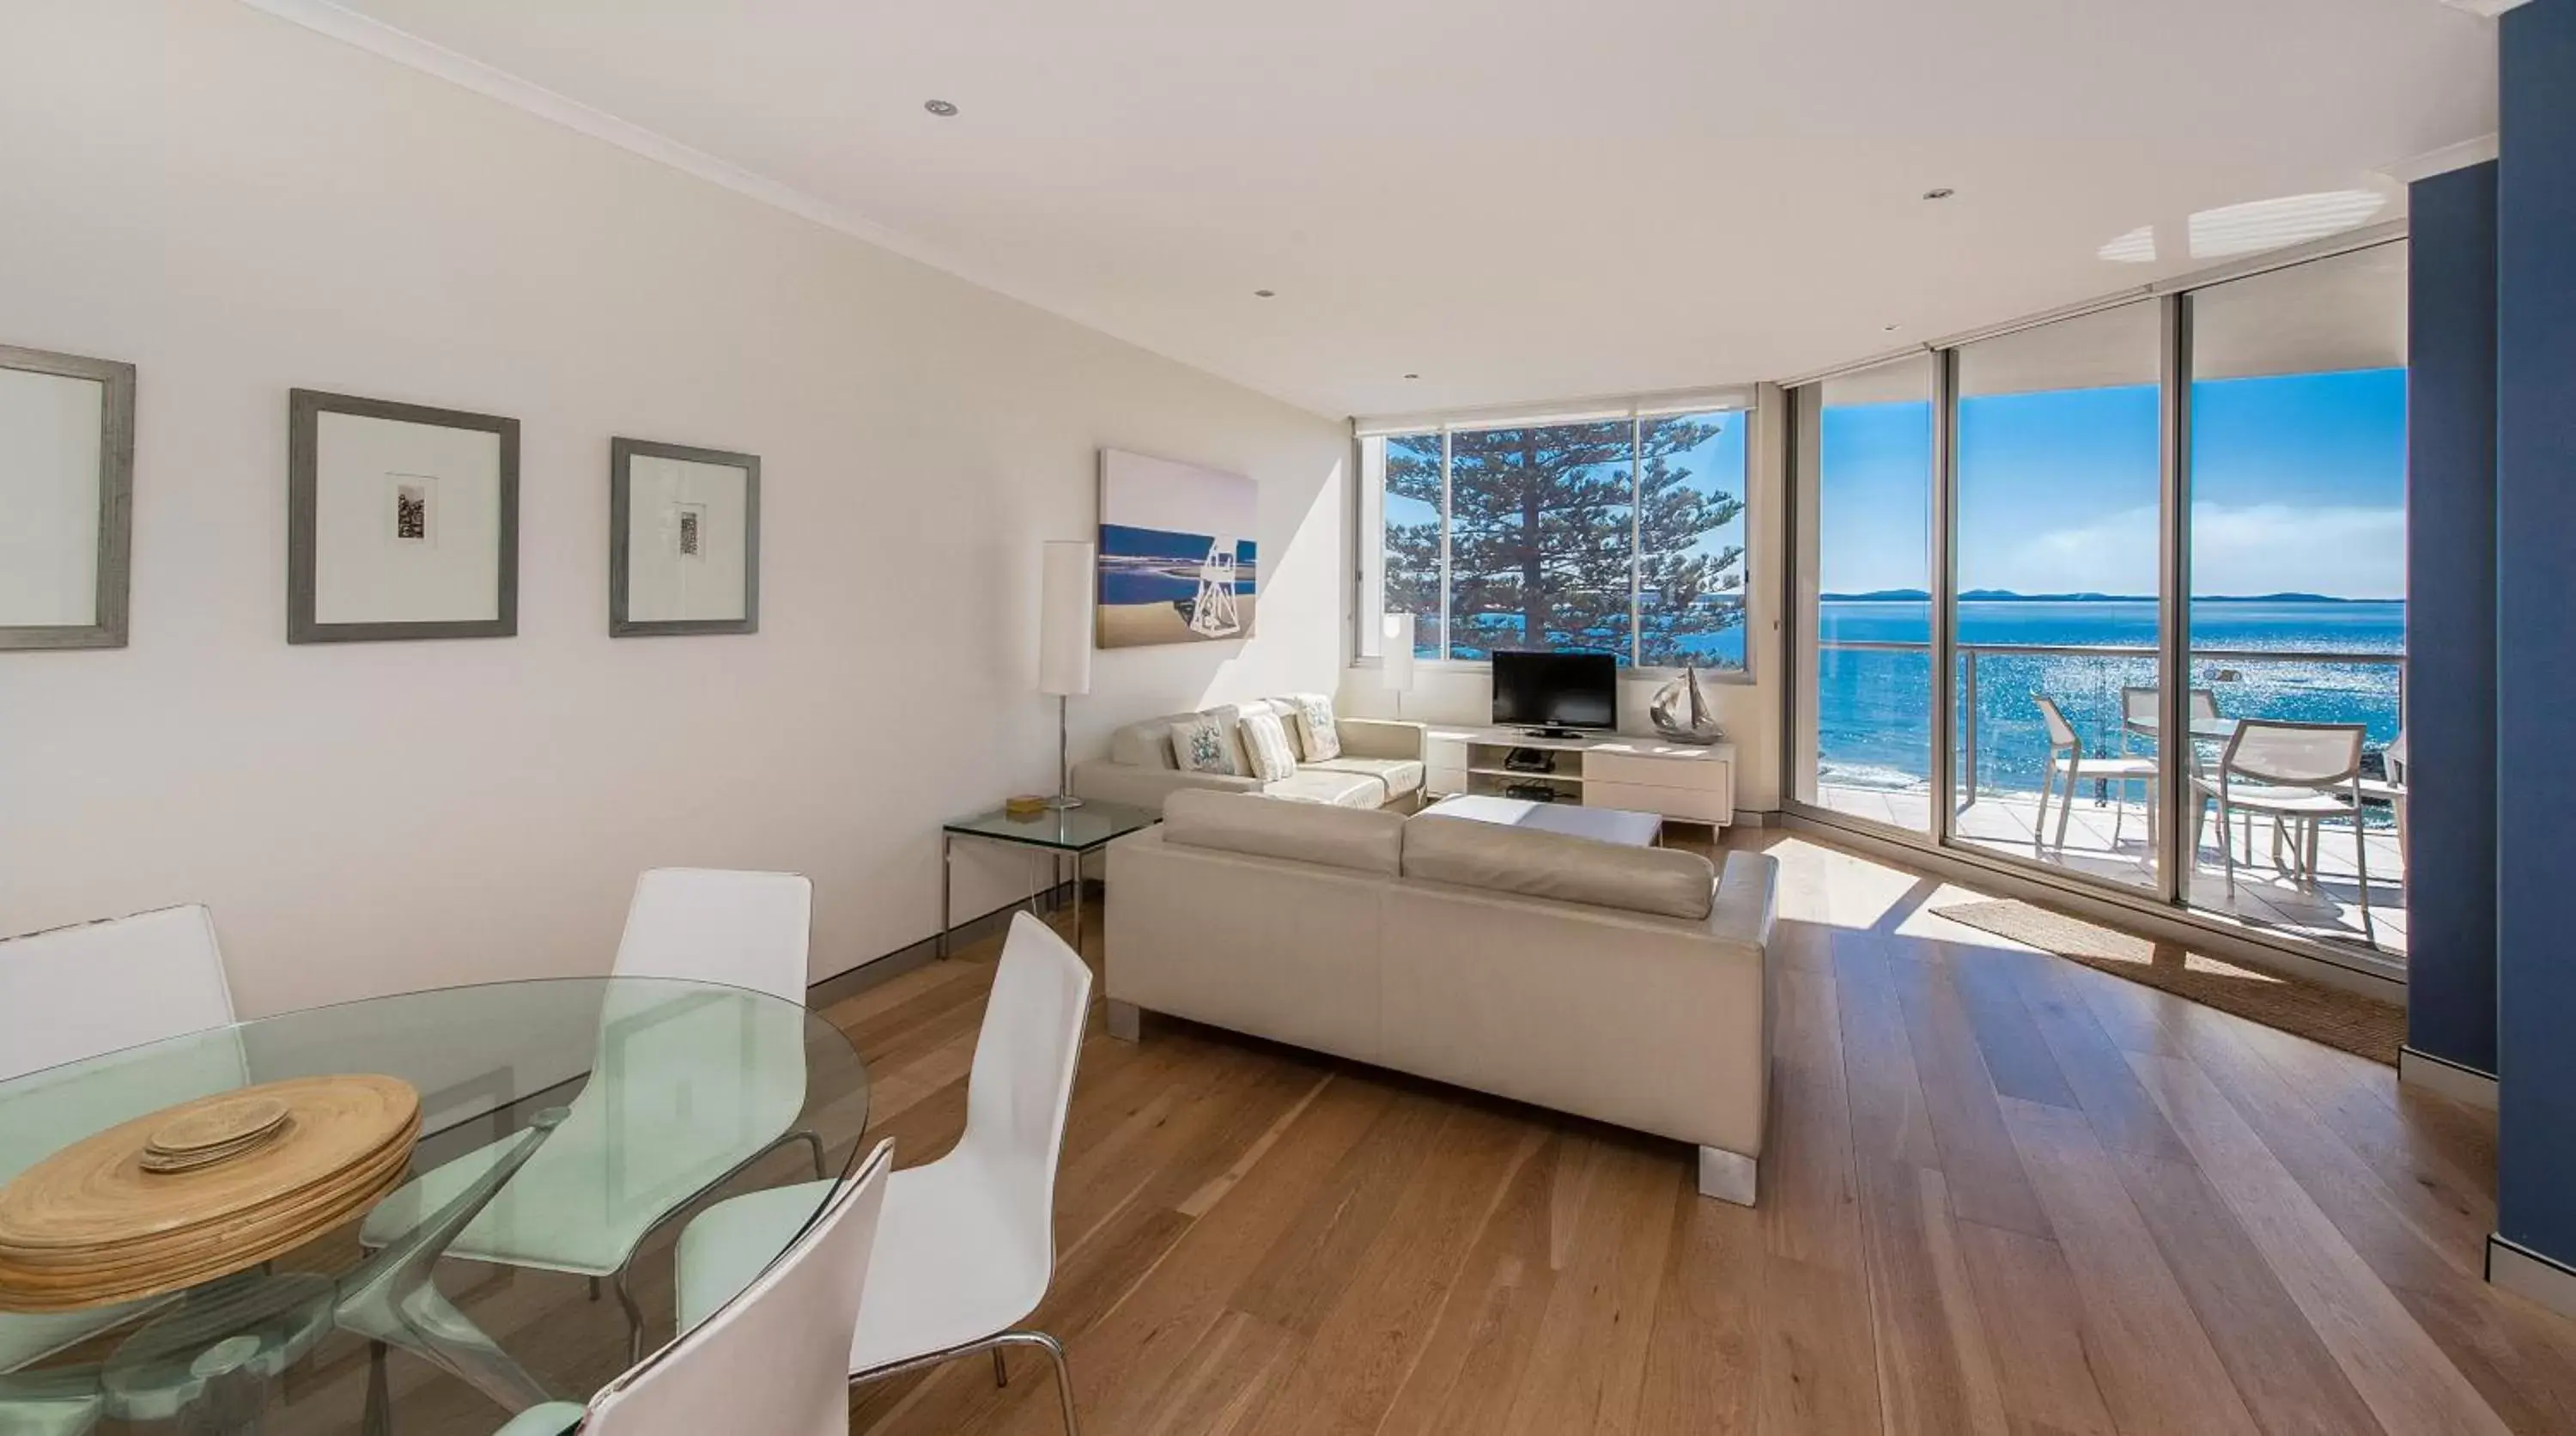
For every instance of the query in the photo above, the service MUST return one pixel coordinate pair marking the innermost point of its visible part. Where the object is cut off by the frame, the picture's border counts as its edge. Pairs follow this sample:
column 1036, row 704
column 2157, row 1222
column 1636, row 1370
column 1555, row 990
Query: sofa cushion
column 1369, row 842
column 1200, row 744
column 1531, row 863
column 1400, row 775
column 1266, row 745
column 1318, row 737
column 1322, row 785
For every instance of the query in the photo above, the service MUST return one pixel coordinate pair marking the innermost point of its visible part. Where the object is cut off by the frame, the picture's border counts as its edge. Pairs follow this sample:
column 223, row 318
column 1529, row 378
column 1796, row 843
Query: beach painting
column 1176, row 552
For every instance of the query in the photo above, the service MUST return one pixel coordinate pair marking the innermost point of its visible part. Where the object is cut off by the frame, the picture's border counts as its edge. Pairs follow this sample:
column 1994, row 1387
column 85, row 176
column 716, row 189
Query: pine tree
column 1540, row 538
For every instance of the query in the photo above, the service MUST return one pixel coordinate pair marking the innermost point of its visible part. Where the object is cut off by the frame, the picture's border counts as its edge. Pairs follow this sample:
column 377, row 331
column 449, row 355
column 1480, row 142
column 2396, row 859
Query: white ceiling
column 1516, row 199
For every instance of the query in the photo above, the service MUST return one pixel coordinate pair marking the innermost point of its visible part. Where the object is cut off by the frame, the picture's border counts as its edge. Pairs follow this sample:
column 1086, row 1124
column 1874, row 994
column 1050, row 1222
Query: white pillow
column 1199, row 746
column 1265, row 741
column 1315, row 726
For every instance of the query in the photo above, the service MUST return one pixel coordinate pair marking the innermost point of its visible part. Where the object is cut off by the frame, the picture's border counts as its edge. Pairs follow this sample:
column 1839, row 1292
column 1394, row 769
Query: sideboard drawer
column 1690, row 805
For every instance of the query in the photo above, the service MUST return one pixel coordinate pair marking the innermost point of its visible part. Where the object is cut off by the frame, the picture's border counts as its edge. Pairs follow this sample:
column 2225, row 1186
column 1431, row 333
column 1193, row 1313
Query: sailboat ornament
column 1682, row 712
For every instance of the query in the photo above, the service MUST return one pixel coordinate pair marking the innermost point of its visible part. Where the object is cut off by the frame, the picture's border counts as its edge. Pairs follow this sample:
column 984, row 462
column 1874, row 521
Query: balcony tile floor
column 2111, row 842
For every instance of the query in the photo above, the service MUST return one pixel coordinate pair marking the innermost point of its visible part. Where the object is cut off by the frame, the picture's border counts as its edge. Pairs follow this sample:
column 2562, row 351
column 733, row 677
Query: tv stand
column 1684, row 782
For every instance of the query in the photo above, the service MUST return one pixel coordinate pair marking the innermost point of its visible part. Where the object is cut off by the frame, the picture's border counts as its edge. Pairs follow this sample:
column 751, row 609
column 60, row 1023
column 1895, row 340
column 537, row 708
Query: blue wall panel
column 2451, row 617
column 2536, row 630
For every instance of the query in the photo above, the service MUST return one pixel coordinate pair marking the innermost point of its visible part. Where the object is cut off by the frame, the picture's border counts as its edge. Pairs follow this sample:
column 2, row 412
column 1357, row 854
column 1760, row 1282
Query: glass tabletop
column 565, row 1126
column 1064, row 829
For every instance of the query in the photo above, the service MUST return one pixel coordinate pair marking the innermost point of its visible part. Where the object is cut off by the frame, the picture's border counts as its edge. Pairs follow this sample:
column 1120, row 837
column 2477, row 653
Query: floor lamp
column 1065, row 593
column 1395, row 658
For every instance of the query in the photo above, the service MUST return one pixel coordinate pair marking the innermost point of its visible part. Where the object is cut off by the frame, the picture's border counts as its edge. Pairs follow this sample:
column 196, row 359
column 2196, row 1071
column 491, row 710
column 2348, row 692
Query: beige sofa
column 1380, row 764
column 1623, row 984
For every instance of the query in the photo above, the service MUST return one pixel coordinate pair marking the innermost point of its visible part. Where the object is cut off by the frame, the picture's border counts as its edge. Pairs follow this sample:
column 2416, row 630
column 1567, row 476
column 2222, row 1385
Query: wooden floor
column 2002, row 1194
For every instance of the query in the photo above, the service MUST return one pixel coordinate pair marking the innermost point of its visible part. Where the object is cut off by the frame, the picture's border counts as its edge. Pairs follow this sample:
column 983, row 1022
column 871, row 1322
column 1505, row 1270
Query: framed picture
column 401, row 521
column 683, row 540
column 1176, row 552
column 66, row 499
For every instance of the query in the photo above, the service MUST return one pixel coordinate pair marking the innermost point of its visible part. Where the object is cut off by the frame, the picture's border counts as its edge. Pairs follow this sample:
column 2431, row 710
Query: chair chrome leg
column 813, row 1143
column 994, row 1343
column 378, row 1419
column 1063, row 1371
column 1001, row 1372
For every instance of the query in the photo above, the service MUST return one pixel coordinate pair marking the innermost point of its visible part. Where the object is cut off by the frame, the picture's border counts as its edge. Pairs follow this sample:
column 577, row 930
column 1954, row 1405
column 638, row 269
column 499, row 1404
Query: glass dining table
column 567, row 1128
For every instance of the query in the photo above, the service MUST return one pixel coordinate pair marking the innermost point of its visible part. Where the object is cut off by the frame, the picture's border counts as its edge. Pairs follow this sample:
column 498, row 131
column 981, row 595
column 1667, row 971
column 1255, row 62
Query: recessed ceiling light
column 941, row 108
column 1892, row 328
column 1412, row 376
column 1942, row 193
column 1265, row 294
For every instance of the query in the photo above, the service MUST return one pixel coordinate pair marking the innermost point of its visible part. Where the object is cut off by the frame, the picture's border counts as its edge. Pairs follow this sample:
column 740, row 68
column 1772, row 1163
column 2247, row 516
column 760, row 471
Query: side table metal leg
column 947, row 878
column 1077, row 904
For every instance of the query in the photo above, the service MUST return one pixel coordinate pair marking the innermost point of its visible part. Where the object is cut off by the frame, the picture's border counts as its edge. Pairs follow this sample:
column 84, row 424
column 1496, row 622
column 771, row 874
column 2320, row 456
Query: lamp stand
column 1064, row 797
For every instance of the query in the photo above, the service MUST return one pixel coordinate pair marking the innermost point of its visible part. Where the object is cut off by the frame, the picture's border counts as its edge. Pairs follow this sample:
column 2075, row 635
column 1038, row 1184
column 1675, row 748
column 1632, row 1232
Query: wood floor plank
column 2157, row 1368
column 1810, row 1211
column 1978, row 1157
column 2406, row 1379
column 1703, row 1363
column 1297, row 1283
column 1588, row 1362
column 2122, row 1114
column 2018, row 1058
column 2283, row 1370
column 2044, row 1376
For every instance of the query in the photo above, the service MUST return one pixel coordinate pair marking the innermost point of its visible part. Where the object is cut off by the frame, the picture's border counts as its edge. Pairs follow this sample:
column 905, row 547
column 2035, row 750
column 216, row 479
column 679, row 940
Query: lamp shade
column 1395, row 655
column 1065, row 593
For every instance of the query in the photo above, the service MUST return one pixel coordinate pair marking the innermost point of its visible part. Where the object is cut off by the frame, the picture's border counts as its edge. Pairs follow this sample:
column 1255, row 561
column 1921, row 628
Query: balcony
column 1873, row 753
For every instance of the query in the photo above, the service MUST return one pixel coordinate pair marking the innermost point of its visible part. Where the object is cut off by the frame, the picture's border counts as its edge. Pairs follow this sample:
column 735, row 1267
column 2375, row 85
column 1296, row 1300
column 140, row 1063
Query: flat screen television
column 1555, row 690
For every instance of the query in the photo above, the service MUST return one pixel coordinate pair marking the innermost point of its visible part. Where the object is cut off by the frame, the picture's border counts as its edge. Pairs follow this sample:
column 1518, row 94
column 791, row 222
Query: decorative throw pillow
column 1315, row 727
column 1265, row 741
column 1199, row 746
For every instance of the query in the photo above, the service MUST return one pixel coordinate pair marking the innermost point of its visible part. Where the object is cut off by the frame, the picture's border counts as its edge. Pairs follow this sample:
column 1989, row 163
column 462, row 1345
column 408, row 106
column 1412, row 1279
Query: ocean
column 1874, row 730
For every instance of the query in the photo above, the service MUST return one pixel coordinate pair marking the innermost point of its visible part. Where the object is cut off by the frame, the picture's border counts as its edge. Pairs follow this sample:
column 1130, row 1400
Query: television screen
column 1555, row 690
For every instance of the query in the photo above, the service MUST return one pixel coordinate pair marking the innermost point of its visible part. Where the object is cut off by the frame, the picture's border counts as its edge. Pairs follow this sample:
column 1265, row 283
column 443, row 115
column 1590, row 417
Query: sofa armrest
column 1142, row 787
column 1742, row 908
column 1380, row 738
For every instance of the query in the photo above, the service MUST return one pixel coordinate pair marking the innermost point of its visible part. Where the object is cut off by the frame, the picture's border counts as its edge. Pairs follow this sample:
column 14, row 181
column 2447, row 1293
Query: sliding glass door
column 1865, row 596
column 2055, row 529
column 2118, row 599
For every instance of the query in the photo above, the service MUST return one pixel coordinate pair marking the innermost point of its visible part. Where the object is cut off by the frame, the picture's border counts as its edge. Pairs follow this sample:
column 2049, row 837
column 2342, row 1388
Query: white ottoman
column 1607, row 825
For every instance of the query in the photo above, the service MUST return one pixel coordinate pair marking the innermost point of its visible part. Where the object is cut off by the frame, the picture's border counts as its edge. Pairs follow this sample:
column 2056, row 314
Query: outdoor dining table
column 624, row 1099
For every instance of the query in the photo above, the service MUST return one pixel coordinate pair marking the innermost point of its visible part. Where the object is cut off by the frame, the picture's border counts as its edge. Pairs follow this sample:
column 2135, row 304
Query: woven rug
column 2363, row 1026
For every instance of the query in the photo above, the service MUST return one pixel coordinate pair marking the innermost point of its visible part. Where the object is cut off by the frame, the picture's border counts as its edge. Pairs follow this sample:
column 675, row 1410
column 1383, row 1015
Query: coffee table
column 1606, row 825
column 1057, row 832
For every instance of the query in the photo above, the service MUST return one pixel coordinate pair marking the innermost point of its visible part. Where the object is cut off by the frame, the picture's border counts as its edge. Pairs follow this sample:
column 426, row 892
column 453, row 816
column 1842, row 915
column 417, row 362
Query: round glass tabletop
column 567, row 1128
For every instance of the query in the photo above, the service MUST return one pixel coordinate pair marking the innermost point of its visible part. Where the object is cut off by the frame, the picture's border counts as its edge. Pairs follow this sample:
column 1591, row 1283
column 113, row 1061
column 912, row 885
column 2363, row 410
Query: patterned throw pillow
column 1199, row 746
column 1315, row 727
column 1266, row 742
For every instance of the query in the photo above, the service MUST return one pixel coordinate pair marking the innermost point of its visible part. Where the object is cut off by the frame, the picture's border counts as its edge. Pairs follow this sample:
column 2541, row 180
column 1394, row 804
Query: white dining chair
column 74, row 993
column 2392, row 791
column 744, row 930
column 2293, row 773
column 2066, row 759
column 769, row 1361
column 968, row 1246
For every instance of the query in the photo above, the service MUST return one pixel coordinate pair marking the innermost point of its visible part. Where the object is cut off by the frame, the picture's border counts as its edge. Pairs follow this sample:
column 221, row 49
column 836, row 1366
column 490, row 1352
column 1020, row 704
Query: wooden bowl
column 201, row 1190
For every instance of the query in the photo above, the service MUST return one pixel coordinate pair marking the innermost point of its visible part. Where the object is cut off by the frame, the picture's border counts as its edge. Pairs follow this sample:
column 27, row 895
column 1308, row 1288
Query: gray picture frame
column 305, row 408
column 622, row 453
column 109, row 619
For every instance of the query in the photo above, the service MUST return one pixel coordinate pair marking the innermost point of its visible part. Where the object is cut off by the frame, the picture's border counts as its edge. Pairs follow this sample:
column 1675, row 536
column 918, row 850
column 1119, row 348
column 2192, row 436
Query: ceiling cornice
column 2488, row 8
column 409, row 50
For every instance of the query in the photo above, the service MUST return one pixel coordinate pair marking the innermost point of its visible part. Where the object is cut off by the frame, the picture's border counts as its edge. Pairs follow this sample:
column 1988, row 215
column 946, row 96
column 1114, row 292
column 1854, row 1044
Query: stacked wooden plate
column 201, row 1190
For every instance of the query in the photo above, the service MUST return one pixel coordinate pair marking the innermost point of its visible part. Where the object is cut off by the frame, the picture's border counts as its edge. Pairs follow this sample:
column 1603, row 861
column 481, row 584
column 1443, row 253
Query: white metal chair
column 2392, row 791
column 737, row 929
column 74, row 993
column 2066, row 758
column 2293, row 773
column 771, row 1360
column 968, row 1247
column 2142, row 711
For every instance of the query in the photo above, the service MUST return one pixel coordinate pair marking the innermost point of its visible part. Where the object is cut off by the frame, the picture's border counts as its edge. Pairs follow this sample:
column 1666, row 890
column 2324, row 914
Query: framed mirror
column 66, row 499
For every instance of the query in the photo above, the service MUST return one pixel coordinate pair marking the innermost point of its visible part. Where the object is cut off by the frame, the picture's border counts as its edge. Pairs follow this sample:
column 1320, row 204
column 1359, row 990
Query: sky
column 2299, row 485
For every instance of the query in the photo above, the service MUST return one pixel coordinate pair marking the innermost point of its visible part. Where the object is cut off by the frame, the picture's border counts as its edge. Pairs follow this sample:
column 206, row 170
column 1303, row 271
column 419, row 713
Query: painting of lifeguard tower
column 1177, row 564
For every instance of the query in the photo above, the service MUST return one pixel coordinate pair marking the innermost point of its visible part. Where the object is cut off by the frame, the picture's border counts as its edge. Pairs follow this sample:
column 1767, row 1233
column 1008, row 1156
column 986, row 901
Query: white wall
column 239, row 206
column 1748, row 704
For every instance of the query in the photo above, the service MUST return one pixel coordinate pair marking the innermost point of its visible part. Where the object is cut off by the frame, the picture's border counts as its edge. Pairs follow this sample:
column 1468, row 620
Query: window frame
column 1368, row 439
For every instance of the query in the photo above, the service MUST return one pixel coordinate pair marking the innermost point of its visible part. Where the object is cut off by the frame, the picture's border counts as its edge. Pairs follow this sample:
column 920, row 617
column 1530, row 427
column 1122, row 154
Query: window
column 1617, row 535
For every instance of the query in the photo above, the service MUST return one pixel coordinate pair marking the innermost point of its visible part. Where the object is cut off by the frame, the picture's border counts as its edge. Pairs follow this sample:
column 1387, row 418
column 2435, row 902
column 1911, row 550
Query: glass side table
column 1058, row 832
